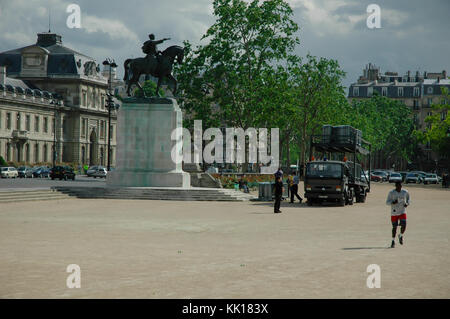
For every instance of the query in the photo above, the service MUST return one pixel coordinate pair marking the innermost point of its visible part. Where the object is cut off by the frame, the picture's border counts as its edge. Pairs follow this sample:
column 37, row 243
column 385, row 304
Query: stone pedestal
column 144, row 145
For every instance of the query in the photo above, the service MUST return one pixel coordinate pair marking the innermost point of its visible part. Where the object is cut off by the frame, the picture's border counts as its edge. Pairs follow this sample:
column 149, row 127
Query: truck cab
column 334, row 181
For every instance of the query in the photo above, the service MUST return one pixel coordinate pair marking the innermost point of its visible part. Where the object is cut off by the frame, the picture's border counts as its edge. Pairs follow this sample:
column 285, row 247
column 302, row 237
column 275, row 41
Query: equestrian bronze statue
column 156, row 63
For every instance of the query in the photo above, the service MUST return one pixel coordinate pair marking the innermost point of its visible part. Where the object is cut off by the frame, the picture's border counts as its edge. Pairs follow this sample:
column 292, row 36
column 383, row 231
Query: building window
column 8, row 121
column 44, row 151
column 0, row 119
column 102, row 129
column 430, row 90
column 36, row 153
column 369, row 91
column 83, row 128
column 83, row 155
column 112, row 132
column 27, row 153
column 36, row 123
column 18, row 126
column 443, row 116
column 416, row 105
column 416, row 91
column 84, row 98
column 46, row 124
column 415, row 119
column 443, row 102
column 64, row 127
column 400, row 91
column 27, row 122
column 384, row 91
column 8, row 151
column 355, row 91
column 103, row 101
column 429, row 102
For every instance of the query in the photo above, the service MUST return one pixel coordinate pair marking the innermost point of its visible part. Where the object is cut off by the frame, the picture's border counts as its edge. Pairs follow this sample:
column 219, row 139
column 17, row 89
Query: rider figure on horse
column 150, row 47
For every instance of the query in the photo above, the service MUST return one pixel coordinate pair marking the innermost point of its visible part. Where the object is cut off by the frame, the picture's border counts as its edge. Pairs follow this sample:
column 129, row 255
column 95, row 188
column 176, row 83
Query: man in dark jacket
column 278, row 194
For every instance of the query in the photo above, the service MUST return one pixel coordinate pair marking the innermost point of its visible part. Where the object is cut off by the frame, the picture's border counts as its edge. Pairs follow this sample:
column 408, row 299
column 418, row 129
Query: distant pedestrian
column 278, row 173
column 289, row 183
column 243, row 184
column 399, row 200
column 278, row 194
column 294, row 188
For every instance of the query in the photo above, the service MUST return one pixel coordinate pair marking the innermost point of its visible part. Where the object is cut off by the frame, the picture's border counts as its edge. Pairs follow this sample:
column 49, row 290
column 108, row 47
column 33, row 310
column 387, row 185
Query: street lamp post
column 109, row 105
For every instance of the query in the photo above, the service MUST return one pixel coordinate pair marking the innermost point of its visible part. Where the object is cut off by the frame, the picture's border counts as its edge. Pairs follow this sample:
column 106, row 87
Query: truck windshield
column 324, row 170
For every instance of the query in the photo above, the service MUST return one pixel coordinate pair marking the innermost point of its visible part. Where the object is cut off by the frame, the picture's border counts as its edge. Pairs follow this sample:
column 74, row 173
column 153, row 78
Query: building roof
column 62, row 61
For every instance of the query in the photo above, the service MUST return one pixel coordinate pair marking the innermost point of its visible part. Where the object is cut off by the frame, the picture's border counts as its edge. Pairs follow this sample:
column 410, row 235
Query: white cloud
column 115, row 29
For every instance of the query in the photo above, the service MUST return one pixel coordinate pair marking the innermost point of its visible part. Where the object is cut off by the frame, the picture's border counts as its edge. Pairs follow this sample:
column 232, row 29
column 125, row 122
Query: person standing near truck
column 278, row 194
column 399, row 199
column 294, row 188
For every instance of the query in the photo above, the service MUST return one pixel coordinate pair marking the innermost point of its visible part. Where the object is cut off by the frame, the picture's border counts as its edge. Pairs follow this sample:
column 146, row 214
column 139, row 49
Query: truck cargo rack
column 359, row 146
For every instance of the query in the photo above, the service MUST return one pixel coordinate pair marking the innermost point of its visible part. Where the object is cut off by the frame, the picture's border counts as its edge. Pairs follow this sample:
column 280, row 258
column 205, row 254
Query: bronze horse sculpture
column 160, row 67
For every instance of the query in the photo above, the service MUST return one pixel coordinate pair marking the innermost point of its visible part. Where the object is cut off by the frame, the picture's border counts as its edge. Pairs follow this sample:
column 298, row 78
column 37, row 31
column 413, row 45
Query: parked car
column 395, row 177
column 92, row 170
column 62, row 172
column 100, row 172
column 422, row 175
column 41, row 172
column 431, row 179
column 25, row 172
column 378, row 176
column 412, row 178
column 403, row 175
column 8, row 172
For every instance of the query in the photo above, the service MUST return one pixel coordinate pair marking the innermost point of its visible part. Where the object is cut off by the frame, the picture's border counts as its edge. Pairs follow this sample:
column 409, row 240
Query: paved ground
column 161, row 249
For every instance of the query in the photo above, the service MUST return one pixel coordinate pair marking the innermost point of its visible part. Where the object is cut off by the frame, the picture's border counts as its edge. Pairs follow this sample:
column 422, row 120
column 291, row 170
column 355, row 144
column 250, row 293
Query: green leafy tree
column 386, row 123
column 246, row 42
column 316, row 93
column 2, row 161
column 437, row 130
column 149, row 87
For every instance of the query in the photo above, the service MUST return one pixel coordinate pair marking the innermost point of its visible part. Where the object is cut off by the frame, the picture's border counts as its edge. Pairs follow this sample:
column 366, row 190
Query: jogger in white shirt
column 399, row 200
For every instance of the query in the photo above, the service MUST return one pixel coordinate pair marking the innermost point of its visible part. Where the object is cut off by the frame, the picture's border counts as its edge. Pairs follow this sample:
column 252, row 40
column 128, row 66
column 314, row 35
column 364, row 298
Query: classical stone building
column 419, row 91
column 52, row 96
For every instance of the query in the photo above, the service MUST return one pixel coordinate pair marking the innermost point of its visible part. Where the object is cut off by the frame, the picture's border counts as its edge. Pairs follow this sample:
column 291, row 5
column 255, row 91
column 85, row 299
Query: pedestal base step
column 157, row 193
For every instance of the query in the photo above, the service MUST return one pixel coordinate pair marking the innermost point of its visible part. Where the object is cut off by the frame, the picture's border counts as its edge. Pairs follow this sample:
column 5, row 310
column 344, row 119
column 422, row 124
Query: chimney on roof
column 425, row 74
column 48, row 39
column 444, row 73
column 2, row 75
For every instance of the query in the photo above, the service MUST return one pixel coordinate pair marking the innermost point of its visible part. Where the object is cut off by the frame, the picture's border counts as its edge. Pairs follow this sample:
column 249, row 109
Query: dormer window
column 416, row 91
column 384, row 91
column 369, row 91
column 355, row 91
column 400, row 91
column 430, row 90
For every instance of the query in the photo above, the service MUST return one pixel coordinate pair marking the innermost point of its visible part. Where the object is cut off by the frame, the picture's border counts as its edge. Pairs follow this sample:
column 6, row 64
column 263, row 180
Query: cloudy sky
column 414, row 34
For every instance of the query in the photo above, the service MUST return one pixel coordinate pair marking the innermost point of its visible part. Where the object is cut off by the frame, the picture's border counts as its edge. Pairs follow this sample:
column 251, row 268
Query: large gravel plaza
column 175, row 249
